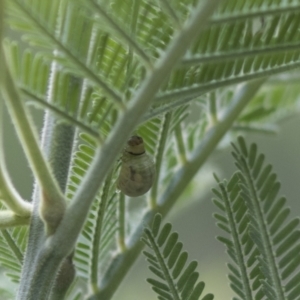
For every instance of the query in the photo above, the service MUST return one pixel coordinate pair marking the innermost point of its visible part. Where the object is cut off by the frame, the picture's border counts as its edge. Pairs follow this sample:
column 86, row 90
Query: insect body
column 137, row 170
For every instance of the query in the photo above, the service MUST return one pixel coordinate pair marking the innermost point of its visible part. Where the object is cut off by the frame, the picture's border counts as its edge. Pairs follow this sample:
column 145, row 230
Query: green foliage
column 231, row 50
column 12, row 248
column 177, row 281
column 87, row 62
column 263, row 242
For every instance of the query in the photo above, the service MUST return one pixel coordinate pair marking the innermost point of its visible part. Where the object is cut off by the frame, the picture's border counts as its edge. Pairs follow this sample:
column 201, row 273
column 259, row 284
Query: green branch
column 51, row 192
column 58, row 141
column 10, row 219
column 8, row 193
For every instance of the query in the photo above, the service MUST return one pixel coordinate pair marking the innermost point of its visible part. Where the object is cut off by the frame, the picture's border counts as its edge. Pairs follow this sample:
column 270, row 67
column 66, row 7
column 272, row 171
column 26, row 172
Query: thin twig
column 8, row 193
column 29, row 139
column 10, row 219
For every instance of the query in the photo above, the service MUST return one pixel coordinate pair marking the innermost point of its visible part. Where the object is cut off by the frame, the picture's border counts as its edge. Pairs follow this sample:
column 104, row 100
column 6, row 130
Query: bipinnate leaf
column 167, row 261
column 263, row 242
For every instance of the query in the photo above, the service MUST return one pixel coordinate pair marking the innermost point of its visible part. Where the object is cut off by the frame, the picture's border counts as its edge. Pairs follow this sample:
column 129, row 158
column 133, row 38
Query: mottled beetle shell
column 137, row 170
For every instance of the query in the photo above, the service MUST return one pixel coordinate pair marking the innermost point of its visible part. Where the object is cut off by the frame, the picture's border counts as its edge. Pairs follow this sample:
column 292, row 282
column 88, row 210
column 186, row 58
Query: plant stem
column 28, row 137
column 8, row 193
column 122, row 262
column 57, row 143
column 10, row 219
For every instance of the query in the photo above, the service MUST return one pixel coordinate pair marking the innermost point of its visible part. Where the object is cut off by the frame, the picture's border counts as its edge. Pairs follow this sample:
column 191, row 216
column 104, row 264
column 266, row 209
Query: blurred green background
column 194, row 222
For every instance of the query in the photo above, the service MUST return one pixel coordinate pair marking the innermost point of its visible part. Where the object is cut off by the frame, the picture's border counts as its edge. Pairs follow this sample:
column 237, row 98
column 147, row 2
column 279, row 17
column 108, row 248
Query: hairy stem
column 27, row 135
column 8, row 193
column 57, row 143
column 10, row 219
column 64, row 279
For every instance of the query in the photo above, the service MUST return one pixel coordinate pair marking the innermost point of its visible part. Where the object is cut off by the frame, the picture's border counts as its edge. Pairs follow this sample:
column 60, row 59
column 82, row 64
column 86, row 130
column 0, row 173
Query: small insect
column 137, row 170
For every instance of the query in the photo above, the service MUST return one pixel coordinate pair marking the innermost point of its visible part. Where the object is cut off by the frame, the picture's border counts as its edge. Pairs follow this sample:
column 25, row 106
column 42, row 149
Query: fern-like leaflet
column 244, row 269
column 264, row 244
column 167, row 261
